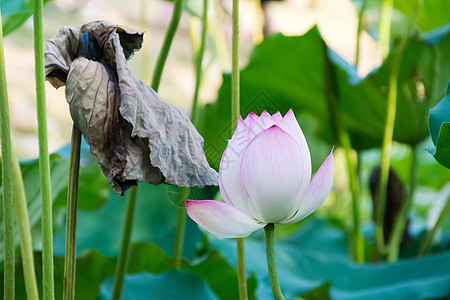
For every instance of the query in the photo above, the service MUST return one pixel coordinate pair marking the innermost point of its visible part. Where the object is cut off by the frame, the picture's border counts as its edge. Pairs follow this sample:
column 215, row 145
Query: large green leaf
column 154, row 222
column 307, row 260
column 289, row 72
column 92, row 269
column 15, row 13
column 440, row 130
column 93, row 185
column 432, row 13
column 221, row 276
column 442, row 151
column 181, row 284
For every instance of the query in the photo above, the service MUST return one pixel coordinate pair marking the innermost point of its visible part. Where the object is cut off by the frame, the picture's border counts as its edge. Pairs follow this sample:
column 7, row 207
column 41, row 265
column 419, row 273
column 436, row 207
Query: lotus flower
column 264, row 177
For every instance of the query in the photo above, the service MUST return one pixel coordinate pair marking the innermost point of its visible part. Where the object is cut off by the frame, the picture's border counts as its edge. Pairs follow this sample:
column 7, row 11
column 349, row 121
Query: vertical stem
column 341, row 135
column 359, row 30
column 242, row 279
column 122, row 260
column 402, row 218
column 198, row 62
column 389, row 131
column 352, row 166
column 269, row 232
column 7, row 172
column 385, row 27
column 428, row 241
column 235, row 107
column 71, row 222
column 235, row 102
column 183, row 193
column 179, row 237
column 26, row 248
column 170, row 33
column 44, row 163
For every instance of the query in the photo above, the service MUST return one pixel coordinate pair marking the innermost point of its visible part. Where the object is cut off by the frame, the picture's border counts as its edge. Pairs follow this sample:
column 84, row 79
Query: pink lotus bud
column 264, row 177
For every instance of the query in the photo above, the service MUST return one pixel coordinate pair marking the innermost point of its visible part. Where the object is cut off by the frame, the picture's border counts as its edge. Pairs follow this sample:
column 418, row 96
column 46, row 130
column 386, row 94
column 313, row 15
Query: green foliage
column 30, row 172
column 15, row 13
column 317, row 253
column 221, row 276
column 288, row 72
column 319, row 293
column 433, row 13
column 180, row 284
column 440, row 130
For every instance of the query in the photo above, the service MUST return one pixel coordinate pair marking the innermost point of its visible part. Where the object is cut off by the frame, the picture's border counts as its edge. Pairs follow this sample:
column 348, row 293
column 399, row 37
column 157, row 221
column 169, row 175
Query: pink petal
column 221, row 219
column 230, row 183
column 271, row 170
column 317, row 191
column 290, row 125
column 277, row 117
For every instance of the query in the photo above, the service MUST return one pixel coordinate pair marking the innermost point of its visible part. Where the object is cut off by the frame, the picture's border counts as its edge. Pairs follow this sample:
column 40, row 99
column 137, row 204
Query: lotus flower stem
column 428, row 241
column 235, row 112
column 235, row 102
column 402, row 218
column 170, row 33
column 122, row 260
column 269, row 231
column 44, row 163
column 359, row 31
column 198, row 63
column 71, row 221
column 389, row 131
column 385, row 27
column 7, row 172
column 242, row 279
column 26, row 248
column 352, row 165
column 342, row 136
column 184, row 192
column 179, row 236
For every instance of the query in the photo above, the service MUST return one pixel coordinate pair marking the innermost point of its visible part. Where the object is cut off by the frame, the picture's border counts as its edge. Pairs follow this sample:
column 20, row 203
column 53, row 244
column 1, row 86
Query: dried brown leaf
column 132, row 132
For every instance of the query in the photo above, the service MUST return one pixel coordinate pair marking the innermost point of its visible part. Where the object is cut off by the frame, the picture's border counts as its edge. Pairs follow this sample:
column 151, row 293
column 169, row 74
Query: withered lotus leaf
column 132, row 132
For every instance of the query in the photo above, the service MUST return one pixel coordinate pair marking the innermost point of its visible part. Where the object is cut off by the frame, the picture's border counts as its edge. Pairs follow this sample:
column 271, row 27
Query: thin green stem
column 179, row 237
column 199, row 61
column 359, row 31
column 428, row 241
column 183, row 193
column 269, row 231
column 235, row 107
column 342, row 136
column 385, row 27
column 389, row 131
column 71, row 221
column 26, row 248
column 7, row 172
column 170, row 33
column 122, row 260
column 352, row 167
column 402, row 218
column 44, row 163
column 242, row 279
column 235, row 102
